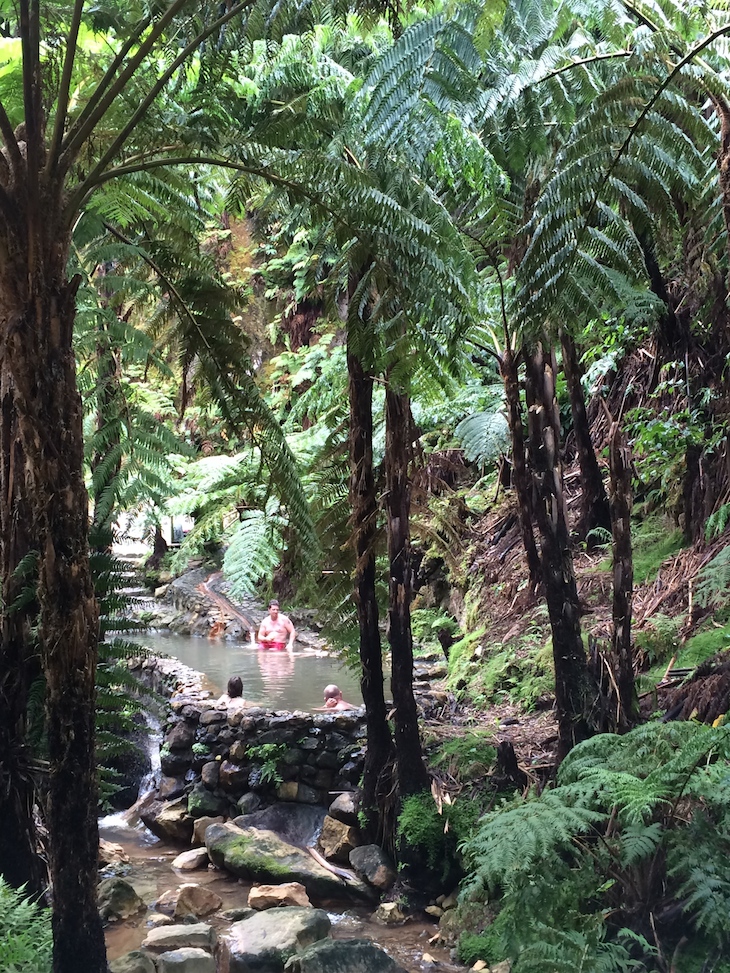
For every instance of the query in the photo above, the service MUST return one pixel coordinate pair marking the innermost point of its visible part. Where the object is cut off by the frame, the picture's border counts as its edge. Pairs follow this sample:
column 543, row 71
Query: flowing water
column 274, row 680
column 151, row 873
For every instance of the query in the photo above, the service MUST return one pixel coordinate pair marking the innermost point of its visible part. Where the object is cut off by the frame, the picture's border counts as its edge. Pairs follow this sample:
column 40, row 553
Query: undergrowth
column 608, row 870
column 519, row 672
column 26, row 939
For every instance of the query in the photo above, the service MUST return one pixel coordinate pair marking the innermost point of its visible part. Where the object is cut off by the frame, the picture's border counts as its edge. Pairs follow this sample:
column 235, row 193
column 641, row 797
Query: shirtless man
column 276, row 631
column 333, row 699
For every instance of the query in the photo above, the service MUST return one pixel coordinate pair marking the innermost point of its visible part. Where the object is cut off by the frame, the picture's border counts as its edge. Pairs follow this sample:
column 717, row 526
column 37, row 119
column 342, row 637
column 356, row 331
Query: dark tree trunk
column 572, row 683
column 594, row 502
column 37, row 309
column 19, row 661
column 623, row 575
column 520, row 475
column 376, row 784
column 412, row 775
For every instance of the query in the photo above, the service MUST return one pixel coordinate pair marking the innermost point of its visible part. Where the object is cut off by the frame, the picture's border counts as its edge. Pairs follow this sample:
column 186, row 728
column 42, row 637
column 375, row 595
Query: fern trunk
column 20, row 668
column 37, row 310
column 572, row 682
column 520, row 474
column 594, row 502
column 376, row 785
column 623, row 575
column 412, row 774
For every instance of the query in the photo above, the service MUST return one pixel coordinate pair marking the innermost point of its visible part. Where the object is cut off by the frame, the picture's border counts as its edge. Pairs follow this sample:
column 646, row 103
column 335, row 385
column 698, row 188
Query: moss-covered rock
column 262, row 856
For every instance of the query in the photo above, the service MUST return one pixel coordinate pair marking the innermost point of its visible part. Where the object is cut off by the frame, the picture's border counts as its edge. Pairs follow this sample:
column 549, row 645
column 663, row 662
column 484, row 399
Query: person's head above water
column 332, row 692
column 235, row 687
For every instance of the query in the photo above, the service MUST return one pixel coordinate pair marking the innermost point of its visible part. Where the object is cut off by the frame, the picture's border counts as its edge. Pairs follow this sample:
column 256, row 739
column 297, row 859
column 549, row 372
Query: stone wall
column 232, row 760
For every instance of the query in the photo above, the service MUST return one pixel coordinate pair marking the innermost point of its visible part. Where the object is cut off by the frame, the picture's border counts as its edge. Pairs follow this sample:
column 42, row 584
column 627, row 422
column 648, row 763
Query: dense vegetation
column 356, row 289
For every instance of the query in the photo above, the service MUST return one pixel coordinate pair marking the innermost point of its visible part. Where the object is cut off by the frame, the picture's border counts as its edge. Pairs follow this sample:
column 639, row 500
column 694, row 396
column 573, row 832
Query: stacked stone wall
column 234, row 759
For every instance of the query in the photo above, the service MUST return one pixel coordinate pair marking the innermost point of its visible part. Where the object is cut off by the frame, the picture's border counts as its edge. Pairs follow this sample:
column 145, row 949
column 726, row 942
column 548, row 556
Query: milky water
column 151, row 873
column 272, row 679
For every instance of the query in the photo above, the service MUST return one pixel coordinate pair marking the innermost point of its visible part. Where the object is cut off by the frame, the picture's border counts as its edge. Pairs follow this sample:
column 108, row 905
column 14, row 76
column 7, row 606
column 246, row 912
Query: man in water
column 333, row 699
column 276, row 631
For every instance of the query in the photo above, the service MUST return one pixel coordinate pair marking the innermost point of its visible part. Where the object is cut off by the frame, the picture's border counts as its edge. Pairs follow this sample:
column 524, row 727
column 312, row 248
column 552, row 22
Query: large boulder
column 187, row 959
column 296, row 823
column 203, row 803
column 338, row 839
column 264, row 943
column 168, row 820
column 195, row 900
column 275, row 896
column 262, row 856
column 188, row 861
column 117, row 899
column 201, row 824
column 165, row 938
column 345, row 807
column 343, row 956
column 134, row 962
column 371, row 863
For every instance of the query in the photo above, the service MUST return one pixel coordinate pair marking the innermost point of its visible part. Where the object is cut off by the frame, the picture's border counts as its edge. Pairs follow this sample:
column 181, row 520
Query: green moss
column 520, row 672
column 703, row 645
column 653, row 544
column 489, row 945
column 467, row 757
column 435, row 837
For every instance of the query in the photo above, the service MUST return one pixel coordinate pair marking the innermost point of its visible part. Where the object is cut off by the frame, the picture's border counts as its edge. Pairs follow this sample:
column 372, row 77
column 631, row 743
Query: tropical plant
column 628, row 837
column 25, row 932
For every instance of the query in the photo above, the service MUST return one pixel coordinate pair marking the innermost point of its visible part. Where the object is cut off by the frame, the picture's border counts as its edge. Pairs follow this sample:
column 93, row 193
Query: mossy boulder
column 343, row 956
column 203, row 803
column 262, row 856
column 264, row 943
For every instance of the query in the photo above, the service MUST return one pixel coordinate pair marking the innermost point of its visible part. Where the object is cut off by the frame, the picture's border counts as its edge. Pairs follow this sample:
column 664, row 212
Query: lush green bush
column 520, row 672
column 434, row 833
column 635, row 836
column 468, row 756
column 25, row 933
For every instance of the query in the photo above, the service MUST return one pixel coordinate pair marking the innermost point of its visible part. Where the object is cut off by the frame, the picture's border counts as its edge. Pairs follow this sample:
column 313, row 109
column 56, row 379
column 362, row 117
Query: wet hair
column 235, row 686
column 273, row 603
column 332, row 691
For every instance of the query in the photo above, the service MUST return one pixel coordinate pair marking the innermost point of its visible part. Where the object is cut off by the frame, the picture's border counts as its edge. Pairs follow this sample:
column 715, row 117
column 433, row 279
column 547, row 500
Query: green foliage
column 484, row 437
column 634, row 821
column 658, row 640
column 468, row 756
column 717, row 522
column 269, row 756
column 26, row 938
column 426, row 623
column 435, row 832
column 703, row 645
column 713, row 580
column 653, row 543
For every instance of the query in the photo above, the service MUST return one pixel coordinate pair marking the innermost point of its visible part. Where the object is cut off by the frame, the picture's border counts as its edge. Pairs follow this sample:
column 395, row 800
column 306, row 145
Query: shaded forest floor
column 500, row 677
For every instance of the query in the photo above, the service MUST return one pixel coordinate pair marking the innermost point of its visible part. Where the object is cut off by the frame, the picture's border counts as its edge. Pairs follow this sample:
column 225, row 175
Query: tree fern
column 635, row 821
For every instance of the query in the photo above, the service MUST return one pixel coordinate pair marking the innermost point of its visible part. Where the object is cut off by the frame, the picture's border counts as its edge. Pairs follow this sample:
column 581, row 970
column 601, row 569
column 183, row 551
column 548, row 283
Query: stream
column 273, row 680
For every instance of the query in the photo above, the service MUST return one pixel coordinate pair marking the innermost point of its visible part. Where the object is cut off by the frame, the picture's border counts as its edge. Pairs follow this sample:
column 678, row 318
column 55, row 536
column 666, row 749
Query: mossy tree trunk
column 573, row 694
column 363, row 502
column 508, row 366
column 594, row 502
column 412, row 775
column 623, row 575
column 37, row 311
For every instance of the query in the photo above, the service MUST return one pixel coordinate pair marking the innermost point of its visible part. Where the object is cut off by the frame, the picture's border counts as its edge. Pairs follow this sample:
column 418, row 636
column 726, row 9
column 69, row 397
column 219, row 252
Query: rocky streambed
column 246, row 855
